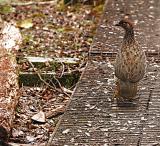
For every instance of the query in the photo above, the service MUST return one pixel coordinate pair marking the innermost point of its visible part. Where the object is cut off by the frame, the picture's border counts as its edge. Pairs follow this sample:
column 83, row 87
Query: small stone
column 39, row 117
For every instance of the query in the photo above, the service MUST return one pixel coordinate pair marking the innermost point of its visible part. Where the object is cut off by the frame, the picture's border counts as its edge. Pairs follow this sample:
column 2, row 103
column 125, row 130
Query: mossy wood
column 9, row 89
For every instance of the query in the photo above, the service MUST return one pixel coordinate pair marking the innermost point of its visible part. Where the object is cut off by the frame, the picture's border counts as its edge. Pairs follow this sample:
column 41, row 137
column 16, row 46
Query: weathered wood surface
column 10, row 39
column 92, row 117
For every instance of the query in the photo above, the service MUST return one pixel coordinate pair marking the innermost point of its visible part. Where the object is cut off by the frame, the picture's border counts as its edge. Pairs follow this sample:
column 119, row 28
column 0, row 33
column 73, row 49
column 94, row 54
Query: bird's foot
column 127, row 102
column 117, row 97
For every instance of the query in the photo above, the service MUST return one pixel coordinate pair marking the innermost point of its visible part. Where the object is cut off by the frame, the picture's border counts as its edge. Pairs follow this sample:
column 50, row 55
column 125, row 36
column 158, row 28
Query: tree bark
column 9, row 93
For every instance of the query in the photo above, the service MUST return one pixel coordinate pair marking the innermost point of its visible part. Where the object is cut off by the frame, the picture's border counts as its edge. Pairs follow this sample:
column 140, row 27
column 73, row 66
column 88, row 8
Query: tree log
column 10, row 38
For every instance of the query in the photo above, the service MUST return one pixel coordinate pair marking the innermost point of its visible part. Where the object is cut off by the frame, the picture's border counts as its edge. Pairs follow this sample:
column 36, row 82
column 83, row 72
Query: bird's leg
column 117, row 92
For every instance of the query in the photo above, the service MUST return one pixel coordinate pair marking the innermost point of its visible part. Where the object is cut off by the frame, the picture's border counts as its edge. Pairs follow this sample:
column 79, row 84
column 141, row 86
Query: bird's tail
column 126, row 89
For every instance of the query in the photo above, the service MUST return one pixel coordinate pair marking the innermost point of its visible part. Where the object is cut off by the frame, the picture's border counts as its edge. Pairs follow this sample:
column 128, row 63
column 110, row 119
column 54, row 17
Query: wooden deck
column 93, row 118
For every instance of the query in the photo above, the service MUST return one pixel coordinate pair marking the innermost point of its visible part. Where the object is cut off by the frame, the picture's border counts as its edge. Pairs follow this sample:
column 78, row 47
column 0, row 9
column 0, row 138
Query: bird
column 130, row 63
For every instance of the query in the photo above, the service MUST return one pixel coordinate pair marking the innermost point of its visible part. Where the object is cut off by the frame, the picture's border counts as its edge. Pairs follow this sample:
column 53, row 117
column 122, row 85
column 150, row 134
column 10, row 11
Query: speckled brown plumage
column 130, row 63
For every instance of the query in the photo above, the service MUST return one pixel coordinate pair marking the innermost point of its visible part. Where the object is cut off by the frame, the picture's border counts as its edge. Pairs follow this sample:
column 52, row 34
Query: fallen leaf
column 27, row 23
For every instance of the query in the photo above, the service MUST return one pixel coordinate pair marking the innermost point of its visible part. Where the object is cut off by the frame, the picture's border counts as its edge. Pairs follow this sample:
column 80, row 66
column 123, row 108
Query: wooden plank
column 92, row 117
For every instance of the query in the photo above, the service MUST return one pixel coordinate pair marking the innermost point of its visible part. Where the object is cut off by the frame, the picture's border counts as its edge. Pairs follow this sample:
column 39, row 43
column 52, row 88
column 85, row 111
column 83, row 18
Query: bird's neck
column 129, row 36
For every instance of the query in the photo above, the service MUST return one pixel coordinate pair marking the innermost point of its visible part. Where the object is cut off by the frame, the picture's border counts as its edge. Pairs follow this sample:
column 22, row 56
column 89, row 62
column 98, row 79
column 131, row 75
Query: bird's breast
column 130, row 63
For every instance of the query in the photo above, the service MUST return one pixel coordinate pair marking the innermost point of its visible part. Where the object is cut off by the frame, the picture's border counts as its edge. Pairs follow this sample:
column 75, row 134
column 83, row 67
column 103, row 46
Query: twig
column 41, row 77
column 59, row 84
column 69, row 3
column 63, row 67
column 53, row 87
column 49, row 143
column 72, row 72
column 58, row 111
column 34, row 3
column 19, row 144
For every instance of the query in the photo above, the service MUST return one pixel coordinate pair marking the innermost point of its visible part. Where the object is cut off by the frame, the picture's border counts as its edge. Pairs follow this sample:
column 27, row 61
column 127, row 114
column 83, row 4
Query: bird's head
column 126, row 24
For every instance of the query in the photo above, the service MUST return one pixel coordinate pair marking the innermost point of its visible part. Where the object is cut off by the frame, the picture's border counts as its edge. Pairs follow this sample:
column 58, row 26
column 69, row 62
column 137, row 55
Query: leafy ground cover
column 49, row 30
